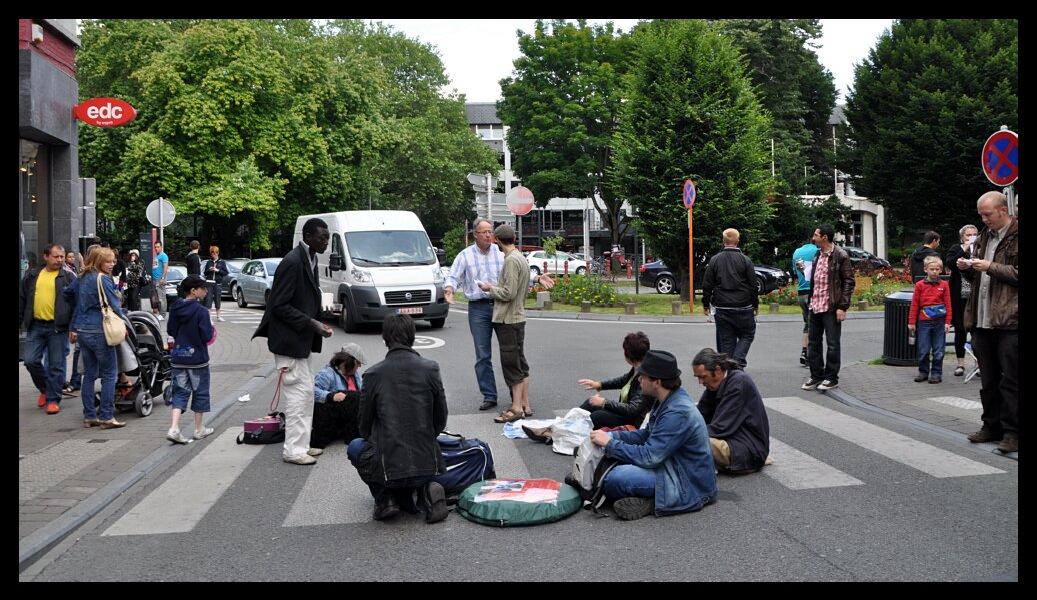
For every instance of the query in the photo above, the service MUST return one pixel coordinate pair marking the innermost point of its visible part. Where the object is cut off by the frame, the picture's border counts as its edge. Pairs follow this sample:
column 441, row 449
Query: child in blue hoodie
column 190, row 327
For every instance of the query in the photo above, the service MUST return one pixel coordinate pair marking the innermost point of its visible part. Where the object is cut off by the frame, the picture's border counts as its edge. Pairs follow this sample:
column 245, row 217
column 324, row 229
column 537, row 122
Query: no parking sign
column 1000, row 158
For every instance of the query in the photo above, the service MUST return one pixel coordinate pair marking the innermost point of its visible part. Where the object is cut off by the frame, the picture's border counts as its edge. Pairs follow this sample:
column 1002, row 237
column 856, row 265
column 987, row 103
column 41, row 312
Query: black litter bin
column 896, row 349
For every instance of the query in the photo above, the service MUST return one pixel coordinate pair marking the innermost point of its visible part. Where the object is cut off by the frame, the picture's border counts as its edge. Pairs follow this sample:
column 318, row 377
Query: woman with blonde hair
column 86, row 329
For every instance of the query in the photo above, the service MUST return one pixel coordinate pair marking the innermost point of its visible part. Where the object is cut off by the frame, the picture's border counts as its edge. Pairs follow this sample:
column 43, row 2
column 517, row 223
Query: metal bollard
column 585, row 306
column 675, row 307
column 565, row 266
column 774, row 308
column 545, row 268
column 630, row 269
column 862, row 305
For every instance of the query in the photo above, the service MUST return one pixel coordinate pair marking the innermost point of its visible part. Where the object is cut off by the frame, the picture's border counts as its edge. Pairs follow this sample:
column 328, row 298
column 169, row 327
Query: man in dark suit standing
column 293, row 332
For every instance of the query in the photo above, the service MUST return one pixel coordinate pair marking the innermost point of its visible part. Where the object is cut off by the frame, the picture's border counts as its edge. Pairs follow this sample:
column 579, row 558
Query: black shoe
column 633, row 508
column 921, row 377
column 827, row 384
column 1010, row 443
column 936, row 379
column 487, row 405
column 434, row 502
column 386, row 509
column 538, row 434
column 810, row 384
column 570, row 480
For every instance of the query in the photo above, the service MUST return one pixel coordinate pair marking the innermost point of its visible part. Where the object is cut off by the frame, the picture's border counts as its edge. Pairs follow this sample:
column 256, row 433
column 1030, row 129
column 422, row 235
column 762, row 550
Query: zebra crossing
column 242, row 316
column 333, row 494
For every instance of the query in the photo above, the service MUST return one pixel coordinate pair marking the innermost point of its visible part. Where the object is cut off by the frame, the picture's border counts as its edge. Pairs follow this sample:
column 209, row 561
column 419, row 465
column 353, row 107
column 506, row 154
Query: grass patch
column 876, row 361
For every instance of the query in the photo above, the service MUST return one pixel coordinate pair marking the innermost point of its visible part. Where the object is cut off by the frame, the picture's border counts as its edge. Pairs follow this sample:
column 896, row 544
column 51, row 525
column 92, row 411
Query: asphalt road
column 273, row 521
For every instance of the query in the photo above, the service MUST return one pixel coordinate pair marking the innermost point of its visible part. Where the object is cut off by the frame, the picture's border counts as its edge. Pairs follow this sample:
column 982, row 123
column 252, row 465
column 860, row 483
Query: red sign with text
column 105, row 112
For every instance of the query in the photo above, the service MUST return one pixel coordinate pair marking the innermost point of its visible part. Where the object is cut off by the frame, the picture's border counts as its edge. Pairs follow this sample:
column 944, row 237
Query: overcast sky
column 477, row 53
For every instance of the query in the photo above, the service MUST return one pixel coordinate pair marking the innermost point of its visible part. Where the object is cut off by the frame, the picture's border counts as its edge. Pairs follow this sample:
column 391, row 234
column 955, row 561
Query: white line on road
column 182, row 500
column 892, row 445
column 799, row 471
column 958, row 402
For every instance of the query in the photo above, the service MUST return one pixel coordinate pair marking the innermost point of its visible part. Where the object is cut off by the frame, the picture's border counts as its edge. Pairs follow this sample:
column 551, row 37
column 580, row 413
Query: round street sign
column 1000, row 158
column 520, row 200
column 168, row 213
column 689, row 193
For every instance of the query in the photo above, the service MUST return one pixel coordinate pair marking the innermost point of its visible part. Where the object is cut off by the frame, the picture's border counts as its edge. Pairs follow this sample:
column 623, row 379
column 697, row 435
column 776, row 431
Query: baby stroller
column 143, row 356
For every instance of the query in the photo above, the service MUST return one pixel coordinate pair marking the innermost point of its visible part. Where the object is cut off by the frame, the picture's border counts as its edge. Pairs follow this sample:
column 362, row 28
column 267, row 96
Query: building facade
column 55, row 204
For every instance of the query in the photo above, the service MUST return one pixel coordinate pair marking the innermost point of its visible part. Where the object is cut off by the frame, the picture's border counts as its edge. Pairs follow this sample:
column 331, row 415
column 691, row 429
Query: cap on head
column 353, row 349
column 659, row 364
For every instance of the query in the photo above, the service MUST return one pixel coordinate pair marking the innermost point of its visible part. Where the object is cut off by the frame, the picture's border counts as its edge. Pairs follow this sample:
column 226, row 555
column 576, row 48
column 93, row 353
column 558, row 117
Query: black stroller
column 144, row 356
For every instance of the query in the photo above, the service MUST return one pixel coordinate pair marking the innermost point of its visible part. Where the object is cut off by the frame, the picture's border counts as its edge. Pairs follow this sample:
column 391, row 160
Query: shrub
column 583, row 288
column 786, row 295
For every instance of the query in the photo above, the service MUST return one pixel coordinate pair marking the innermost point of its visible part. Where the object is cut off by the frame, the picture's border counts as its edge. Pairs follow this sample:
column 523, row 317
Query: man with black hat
column 667, row 467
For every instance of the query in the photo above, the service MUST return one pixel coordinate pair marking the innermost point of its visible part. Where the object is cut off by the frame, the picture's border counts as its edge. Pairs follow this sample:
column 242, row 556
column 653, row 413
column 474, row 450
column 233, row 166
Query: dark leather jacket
column 62, row 308
column 840, row 279
column 1004, row 280
column 637, row 404
column 730, row 281
column 402, row 410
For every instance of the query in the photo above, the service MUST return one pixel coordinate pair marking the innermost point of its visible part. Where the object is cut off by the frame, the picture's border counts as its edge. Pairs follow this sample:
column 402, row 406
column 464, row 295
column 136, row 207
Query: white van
column 377, row 263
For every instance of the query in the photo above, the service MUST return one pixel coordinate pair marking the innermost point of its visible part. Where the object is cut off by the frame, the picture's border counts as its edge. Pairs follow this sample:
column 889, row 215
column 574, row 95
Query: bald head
column 731, row 237
column 993, row 209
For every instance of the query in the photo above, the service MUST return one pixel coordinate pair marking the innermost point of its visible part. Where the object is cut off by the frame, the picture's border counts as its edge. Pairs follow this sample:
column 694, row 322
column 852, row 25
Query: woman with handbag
column 96, row 328
column 961, row 289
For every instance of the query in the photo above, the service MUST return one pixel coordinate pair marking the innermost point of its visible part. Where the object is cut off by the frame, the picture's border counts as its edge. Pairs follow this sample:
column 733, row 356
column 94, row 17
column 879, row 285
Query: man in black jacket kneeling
column 402, row 410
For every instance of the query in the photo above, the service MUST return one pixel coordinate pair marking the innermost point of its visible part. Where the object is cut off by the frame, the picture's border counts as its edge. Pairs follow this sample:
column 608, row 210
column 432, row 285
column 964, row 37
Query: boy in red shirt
column 931, row 308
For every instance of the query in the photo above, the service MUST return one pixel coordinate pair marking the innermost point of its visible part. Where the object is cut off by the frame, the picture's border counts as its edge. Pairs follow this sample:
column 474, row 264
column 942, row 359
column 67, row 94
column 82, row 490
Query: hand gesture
column 448, row 295
column 589, row 384
column 840, row 314
column 547, row 281
column 596, row 401
column 485, row 286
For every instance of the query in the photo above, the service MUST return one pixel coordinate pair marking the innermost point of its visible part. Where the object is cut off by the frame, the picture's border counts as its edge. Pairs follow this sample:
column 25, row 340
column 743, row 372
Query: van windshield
column 390, row 248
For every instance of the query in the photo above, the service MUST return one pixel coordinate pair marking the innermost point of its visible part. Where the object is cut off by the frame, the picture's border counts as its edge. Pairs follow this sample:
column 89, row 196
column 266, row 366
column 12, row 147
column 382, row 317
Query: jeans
column 99, row 360
column 997, row 352
column 736, row 329
column 40, row 340
column 400, row 489
column 603, row 418
column 629, row 480
column 824, row 323
column 76, row 378
column 930, row 336
column 193, row 384
column 480, row 315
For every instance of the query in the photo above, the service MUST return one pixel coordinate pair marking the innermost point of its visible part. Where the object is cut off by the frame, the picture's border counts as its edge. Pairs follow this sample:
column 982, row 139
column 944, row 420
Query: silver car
column 255, row 280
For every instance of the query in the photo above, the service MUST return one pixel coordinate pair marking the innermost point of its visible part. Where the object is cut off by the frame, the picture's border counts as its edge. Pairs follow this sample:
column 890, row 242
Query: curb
column 947, row 434
column 536, row 313
column 36, row 544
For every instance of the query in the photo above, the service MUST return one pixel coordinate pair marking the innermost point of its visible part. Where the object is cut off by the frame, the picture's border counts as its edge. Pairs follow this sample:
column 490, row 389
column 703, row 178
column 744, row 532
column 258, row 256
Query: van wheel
column 346, row 320
column 238, row 296
column 437, row 323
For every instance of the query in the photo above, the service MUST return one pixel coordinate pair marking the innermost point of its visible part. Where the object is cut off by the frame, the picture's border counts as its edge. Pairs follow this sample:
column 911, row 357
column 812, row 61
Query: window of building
column 490, row 132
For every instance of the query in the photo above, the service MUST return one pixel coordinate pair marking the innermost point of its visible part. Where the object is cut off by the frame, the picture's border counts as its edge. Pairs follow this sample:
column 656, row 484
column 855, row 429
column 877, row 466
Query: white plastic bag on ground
column 569, row 431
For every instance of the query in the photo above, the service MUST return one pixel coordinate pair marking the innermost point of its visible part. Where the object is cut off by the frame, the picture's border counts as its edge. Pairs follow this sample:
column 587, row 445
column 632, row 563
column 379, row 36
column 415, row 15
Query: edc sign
column 105, row 112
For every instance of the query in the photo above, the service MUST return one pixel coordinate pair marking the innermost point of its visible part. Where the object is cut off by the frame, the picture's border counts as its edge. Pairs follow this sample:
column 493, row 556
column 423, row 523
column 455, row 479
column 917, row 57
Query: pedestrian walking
column 930, row 315
column 192, row 332
column 159, row 269
column 961, row 289
column 193, row 261
column 992, row 315
column 930, row 242
column 831, row 288
column 75, row 378
column 214, row 269
column 45, row 314
column 802, row 262
column 292, row 331
column 729, row 292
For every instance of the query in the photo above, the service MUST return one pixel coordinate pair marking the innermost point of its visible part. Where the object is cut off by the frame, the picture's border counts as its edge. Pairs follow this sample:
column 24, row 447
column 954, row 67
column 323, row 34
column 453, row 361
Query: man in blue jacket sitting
column 667, row 466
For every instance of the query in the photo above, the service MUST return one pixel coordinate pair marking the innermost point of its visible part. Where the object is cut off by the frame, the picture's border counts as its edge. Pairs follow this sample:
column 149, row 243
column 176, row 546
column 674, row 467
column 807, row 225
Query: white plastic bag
column 569, row 432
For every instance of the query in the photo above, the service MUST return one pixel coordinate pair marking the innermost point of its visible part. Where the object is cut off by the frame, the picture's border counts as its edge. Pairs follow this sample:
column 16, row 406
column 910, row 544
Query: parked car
column 174, row 276
column 255, row 280
column 556, row 263
column 230, row 279
column 656, row 274
column 863, row 260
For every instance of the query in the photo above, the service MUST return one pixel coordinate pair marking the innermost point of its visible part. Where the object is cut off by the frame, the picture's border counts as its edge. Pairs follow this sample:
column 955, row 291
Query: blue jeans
column 98, row 360
column 75, row 380
column 930, row 336
column 480, row 316
column 194, row 384
column 736, row 329
column 48, row 376
column 629, row 480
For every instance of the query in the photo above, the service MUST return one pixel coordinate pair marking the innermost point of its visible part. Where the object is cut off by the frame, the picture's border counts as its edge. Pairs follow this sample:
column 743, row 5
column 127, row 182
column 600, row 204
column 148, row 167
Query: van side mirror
column 335, row 262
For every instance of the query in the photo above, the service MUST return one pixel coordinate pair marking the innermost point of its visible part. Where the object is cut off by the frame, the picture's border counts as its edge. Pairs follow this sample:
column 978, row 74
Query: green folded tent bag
column 515, row 502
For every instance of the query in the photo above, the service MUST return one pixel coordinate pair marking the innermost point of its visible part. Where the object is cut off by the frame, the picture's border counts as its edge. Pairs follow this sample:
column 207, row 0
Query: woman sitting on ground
column 336, row 396
column 632, row 406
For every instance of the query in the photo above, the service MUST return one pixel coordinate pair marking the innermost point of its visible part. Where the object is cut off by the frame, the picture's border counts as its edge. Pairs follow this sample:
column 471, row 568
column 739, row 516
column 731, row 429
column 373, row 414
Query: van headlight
column 361, row 275
column 437, row 275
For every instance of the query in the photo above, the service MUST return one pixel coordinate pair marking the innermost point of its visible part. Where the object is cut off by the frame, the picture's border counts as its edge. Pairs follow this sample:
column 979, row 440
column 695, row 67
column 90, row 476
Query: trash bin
column 896, row 350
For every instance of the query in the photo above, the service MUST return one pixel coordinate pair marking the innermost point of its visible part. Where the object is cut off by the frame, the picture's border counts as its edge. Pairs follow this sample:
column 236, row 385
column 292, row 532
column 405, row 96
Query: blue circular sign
column 689, row 194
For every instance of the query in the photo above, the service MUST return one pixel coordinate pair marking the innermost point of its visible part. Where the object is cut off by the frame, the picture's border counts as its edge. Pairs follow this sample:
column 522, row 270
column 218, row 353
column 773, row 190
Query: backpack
column 268, row 429
column 589, row 470
column 467, row 461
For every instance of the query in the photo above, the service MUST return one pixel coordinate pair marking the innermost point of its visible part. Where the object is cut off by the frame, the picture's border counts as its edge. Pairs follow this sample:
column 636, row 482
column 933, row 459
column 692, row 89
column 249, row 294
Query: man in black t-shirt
column 194, row 262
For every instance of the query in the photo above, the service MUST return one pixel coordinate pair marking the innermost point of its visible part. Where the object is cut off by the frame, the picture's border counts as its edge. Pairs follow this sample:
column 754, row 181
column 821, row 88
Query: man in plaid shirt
column 831, row 286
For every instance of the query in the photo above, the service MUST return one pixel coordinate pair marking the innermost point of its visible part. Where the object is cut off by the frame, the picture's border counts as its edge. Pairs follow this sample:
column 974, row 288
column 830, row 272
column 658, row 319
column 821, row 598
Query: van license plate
column 410, row 310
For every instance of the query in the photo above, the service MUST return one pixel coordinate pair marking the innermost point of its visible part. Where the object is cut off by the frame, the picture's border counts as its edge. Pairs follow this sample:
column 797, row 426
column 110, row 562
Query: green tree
column 691, row 113
column 797, row 90
column 562, row 107
column 923, row 103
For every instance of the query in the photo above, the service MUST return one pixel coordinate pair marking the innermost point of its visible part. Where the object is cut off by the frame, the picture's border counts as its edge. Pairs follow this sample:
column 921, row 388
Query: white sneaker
column 176, row 437
column 302, row 459
column 220, row 318
column 202, row 433
column 315, row 451
column 160, row 317
column 827, row 384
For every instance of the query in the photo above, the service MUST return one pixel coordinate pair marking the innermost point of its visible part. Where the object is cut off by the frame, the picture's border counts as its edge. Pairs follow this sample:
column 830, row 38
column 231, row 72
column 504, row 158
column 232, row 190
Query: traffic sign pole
column 691, row 262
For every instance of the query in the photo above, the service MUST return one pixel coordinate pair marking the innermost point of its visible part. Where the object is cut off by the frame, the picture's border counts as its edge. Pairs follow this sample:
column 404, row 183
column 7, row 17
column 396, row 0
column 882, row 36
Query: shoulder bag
column 114, row 327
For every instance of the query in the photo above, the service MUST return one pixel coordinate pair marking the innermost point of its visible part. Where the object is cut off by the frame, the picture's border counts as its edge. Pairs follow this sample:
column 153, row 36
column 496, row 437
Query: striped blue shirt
column 471, row 265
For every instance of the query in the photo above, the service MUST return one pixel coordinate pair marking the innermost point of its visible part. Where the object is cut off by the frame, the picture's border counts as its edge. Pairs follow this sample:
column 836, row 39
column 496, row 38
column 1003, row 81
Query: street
column 853, row 495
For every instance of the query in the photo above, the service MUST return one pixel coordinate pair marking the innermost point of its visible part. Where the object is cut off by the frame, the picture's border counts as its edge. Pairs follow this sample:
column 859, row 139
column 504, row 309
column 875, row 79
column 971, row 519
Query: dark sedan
column 656, row 274
column 862, row 260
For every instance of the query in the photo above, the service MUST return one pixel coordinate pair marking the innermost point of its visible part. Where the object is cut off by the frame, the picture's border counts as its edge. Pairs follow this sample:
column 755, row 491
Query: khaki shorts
column 721, row 452
column 511, row 338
